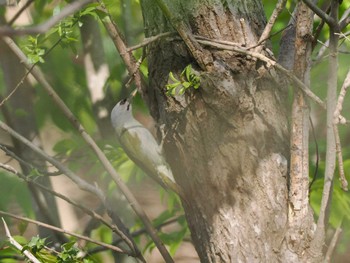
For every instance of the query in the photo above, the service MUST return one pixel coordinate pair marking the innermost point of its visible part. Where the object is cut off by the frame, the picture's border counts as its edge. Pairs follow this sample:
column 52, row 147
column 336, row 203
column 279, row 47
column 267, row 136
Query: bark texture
column 228, row 141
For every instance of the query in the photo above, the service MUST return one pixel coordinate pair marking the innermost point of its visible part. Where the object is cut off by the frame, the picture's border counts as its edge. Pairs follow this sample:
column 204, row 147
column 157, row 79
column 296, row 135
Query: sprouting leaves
column 64, row 30
column 188, row 79
column 35, row 52
column 69, row 252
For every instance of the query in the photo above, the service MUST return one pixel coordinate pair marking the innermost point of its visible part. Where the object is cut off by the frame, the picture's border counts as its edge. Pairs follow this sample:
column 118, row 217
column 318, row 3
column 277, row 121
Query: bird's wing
column 142, row 148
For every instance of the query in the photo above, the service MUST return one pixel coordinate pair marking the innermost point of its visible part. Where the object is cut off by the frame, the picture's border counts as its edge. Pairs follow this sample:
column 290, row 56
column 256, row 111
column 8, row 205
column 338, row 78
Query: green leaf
column 171, row 75
column 186, row 84
column 188, row 71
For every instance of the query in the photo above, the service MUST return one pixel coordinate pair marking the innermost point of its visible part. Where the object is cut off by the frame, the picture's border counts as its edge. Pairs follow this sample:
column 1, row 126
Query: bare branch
column 43, row 28
column 269, row 63
column 149, row 40
column 298, row 204
column 332, row 245
column 345, row 19
column 343, row 181
column 27, row 164
column 336, row 120
column 267, row 30
column 88, row 211
column 8, row 168
column 63, row 231
column 76, row 179
column 319, row 235
column 17, row 245
column 128, row 58
column 328, row 19
column 23, row 8
column 341, row 97
column 319, row 28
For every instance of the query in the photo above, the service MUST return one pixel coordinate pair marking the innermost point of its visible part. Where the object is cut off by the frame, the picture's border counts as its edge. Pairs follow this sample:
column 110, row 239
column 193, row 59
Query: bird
column 141, row 147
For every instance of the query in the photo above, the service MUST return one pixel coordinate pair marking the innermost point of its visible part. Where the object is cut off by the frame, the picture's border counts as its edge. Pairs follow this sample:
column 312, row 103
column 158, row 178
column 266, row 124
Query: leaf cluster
column 188, row 79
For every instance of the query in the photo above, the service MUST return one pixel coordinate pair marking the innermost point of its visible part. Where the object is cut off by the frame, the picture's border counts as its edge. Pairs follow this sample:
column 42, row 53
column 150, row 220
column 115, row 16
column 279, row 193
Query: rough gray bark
column 228, row 141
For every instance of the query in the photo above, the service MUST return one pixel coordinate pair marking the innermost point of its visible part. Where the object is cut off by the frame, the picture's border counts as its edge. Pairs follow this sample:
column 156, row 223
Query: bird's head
column 121, row 113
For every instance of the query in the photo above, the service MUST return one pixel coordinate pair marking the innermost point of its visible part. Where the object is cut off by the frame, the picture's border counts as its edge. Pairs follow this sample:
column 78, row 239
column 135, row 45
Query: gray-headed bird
column 141, row 147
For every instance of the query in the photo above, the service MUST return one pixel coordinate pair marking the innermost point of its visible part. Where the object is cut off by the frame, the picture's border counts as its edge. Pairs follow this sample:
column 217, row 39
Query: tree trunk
column 228, row 141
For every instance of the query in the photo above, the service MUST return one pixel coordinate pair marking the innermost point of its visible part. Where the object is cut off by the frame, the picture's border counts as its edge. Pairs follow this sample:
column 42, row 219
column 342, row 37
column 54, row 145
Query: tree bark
column 228, row 141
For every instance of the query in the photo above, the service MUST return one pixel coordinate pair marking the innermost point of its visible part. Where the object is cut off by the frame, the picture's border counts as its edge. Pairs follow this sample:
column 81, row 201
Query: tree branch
column 23, row 8
column 319, row 236
column 38, row 75
column 332, row 245
column 328, row 19
column 43, row 28
column 269, row 63
column 267, row 30
column 17, row 245
column 86, row 210
column 25, row 219
column 345, row 19
column 76, row 179
column 336, row 120
column 299, row 212
column 203, row 58
column 118, row 40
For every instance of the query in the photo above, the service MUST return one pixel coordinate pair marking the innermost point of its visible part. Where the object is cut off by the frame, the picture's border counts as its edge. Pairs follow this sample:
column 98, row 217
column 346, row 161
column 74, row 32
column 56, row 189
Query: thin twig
column 269, row 63
column 336, row 121
column 149, row 40
column 328, row 19
column 28, row 72
column 343, row 181
column 134, row 234
column 267, row 30
column 71, row 175
column 17, row 245
column 23, row 8
column 63, row 231
column 38, row 75
column 227, row 45
column 318, row 240
column 118, row 40
column 319, row 28
column 341, row 97
column 27, row 164
column 269, row 36
column 345, row 19
column 333, row 243
column 43, row 28
column 86, row 210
